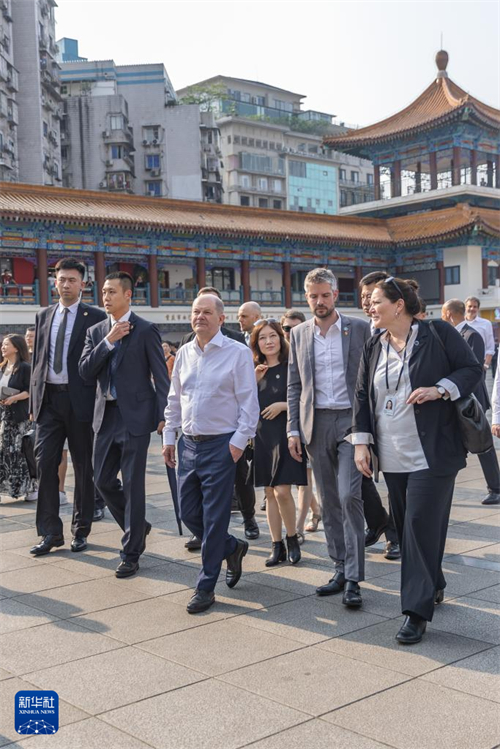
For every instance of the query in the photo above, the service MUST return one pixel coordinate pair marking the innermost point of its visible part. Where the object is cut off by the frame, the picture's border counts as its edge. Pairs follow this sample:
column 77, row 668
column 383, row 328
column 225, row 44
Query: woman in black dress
column 274, row 467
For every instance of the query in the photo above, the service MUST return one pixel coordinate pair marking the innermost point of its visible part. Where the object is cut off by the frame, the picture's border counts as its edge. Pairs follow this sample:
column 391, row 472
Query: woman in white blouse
column 405, row 424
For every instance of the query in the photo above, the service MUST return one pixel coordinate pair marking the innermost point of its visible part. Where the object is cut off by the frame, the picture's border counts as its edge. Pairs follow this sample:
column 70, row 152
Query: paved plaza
column 270, row 665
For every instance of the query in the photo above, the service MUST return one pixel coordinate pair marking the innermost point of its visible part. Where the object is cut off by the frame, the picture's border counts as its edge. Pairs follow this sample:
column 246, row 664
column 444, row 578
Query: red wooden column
column 376, row 180
column 418, row 177
column 433, row 169
column 396, row 179
column 287, row 283
column 41, row 262
column 153, row 280
column 497, row 171
column 99, row 274
column 440, row 267
column 358, row 275
column 473, row 167
column 201, row 272
column 484, row 264
column 455, row 165
column 489, row 172
column 245, row 279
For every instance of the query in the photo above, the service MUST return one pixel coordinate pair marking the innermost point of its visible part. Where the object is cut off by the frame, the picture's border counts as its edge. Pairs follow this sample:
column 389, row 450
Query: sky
column 361, row 61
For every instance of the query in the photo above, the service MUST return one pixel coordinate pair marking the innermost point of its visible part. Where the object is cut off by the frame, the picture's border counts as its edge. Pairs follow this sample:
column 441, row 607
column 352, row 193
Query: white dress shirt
column 485, row 328
column 61, row 378
column 330, row 389
column 495, row 400
column 111, row 346
column 213, row 391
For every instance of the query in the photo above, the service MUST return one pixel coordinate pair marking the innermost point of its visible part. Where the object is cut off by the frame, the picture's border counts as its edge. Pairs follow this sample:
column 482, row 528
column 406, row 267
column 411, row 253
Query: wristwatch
column 441, row 390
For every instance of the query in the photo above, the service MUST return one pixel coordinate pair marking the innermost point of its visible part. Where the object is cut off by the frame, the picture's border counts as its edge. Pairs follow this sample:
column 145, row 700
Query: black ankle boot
column 294, row 554
column 278, row 554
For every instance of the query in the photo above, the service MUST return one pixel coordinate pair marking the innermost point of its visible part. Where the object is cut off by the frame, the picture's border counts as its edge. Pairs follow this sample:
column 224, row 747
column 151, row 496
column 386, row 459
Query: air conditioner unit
column 105, row 133
column 102, row 184
column 145, row 142
column 63, row 136
column 109, row 162
column 155, row 172
column 152, row 194
column 155, row 142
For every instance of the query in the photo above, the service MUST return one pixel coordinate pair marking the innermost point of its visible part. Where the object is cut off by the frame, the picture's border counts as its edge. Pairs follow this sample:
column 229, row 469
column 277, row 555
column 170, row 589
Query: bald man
column 248, row 314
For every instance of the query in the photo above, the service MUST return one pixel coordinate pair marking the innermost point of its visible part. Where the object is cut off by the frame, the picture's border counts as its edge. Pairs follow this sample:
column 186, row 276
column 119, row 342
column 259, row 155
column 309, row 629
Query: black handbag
column 28, row 450
column 472, row 422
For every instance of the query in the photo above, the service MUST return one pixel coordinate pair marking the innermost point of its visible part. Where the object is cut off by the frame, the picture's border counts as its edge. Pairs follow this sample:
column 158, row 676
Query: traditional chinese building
column 433, row 219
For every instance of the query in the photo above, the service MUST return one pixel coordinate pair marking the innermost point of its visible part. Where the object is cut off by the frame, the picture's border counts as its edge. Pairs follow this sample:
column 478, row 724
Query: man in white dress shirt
column 213, row 398
column 483, row 326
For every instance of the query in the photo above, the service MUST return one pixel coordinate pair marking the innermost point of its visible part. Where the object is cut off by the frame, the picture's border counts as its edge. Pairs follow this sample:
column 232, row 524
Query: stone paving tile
column 67, row 713
column 109, row 680
column 302, row 579
column 17, row 615
column 470, row 617
column 50, row 644
column 459, row 544
column 377, row 645
column 81, row 598
column 17, row 537
column 5, row 674
column 220, row 647
column 96, row 563
column 247, row 596
column 314, row 680
column 421, row 715
column 462, row 580
column 309, row 620
column 318, row 734
column 136, row 622
column 478, row 675
column 209, row 715
column 163, row 578
column 36, row 578
column 485, row 527
column 488, row 594
column 89, row 734
column 10, row 560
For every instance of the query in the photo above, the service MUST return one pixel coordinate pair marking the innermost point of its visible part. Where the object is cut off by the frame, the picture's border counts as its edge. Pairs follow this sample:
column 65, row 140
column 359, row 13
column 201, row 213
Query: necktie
column 112, row 370
column 61, row 333
column 376, row 331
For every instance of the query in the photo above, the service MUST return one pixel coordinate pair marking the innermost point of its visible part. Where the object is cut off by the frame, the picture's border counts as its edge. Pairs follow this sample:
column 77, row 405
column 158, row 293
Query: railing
column 89, row 294
column 177, row 295
column 142, row 295
column 270, row 298
column 232, row 296
column 14, row 293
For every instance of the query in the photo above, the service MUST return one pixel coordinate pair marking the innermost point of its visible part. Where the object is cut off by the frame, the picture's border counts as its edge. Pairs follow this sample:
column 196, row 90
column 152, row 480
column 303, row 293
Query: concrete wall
column 471, row 274
column 183, row 157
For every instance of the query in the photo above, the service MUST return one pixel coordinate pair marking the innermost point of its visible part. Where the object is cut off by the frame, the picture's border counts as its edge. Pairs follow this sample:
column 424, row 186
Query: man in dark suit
column 453, row 311
column 124, row 353
column 61, row 403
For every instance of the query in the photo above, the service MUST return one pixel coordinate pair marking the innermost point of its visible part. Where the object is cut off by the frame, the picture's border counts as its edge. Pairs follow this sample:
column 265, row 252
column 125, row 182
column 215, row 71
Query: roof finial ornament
column 442, row 62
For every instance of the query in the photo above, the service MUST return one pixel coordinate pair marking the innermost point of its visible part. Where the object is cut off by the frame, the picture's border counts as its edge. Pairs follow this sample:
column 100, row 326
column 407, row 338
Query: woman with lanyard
column 404, row 409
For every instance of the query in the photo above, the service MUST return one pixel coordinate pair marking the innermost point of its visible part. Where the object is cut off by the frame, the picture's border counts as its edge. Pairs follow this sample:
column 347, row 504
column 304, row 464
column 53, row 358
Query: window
column 152, row 134
column 492, row 275
column 312, row 149
column 369, row 179
column 236, row 139
column 330, row 204
column 286, row 106
column 153, row 161
column 263, row 203
column 55, row 169
column 318, row 202
column 295, row 200
column 354, row 176
column 452, row 275
column 298, row 169
column 45, row 129
column 264, row 144
column 64, row 90
column 343, row 174
column 153, row 189
column 116, row 122
column 262, row 183
column 229, row 140
column 221, row 278
column 244, row 140
column 245, row 181
column 272, row 145
column 259, row 100
column 64, row 152
column 258, row 144
column 277, row 185
column 309, row 202
column 244, row 200
column 246, row 98
column 117, row 152
column 277, row 204
column 251, row 142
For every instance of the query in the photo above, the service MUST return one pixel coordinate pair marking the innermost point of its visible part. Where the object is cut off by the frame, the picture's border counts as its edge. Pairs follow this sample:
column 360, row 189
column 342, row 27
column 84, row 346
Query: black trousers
column 56, row 423
column 491, row 470
column 421, row 504
column 115, row 449
column 376, row 515
column 243, row 487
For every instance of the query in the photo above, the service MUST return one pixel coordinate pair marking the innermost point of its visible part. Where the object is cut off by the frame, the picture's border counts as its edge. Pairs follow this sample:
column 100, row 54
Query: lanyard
column 403, row 365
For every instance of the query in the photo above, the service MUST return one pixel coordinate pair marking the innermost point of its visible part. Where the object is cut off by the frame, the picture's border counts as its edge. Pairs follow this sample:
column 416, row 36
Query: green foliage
column 298, row 125
column 205, row 96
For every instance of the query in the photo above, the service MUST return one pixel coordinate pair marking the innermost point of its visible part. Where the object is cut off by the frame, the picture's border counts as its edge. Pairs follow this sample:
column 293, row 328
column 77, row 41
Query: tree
column 206, row 96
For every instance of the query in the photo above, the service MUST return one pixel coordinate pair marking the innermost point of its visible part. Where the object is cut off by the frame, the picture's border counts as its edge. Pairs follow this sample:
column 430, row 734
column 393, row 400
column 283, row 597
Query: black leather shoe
column 46, row 544
column 193, row 544
column 79, row 543
column 492, row 498
column 293, row 547
column 251, row 529
column 412, row 630
column 439, row 597
column 335, row 585
column 263, row 505
column 352, row 595
column 372, row 535
column 392, row 551
column 234, row 564
column 126, row 569
column 201, row 601
column 98, row 514
column 147, row 531
column 278, row 554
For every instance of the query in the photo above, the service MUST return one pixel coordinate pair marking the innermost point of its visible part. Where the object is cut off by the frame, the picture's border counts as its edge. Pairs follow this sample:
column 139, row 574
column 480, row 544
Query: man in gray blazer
column 323, row 365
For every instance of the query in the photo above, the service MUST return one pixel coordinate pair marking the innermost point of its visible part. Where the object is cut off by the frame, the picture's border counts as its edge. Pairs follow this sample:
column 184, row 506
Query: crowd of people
column 323, row 405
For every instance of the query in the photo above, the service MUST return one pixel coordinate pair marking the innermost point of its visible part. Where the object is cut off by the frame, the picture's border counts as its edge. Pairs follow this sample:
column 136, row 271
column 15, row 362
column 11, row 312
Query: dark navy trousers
column 205, row 482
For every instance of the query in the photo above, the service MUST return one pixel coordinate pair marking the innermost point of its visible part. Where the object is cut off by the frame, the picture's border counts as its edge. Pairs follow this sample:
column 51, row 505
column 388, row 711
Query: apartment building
column 9, row 85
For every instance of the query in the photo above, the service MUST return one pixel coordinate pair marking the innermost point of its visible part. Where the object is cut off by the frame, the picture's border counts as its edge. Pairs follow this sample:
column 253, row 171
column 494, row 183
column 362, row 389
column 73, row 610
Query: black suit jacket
column 81, row 390
column 436, row 420
column 476, row 342
column 140, row 357
column 20, row 380
column 234, row 334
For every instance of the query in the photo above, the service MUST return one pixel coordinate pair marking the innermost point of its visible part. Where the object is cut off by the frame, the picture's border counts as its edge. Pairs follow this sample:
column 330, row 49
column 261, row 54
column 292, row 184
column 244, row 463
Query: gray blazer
column 301, row 390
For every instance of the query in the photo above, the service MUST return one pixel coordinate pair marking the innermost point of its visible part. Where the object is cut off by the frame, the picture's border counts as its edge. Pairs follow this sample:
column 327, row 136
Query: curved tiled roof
column 31, row 202
column 441, row 101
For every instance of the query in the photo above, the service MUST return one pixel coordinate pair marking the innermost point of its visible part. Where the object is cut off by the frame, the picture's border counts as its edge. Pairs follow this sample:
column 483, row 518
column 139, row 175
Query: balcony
column 268, row 298
column 12, row 79
column 176, row 295
column 19, row 293
column 119, row 136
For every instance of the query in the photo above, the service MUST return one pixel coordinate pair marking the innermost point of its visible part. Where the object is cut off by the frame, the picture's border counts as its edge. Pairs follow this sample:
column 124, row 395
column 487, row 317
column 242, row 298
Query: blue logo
column 36, row 711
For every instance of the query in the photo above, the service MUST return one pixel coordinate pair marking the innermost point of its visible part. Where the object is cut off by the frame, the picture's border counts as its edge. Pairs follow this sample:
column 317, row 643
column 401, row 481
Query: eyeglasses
column 392, row 280
column 286, row 328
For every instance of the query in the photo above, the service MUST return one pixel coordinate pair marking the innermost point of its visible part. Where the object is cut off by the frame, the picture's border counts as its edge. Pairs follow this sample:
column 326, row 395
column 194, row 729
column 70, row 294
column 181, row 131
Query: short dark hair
column 293, row 314
column 455, row 306
column 373, row 277
column 31, row 328
column 473, row 299
column 209, row 290
column 405, row 289
column 125, row 279
column 70, row 263
column 423, row 304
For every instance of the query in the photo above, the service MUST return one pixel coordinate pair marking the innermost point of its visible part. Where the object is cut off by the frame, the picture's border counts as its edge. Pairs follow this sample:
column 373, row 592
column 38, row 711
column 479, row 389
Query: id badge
column 389, row 406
